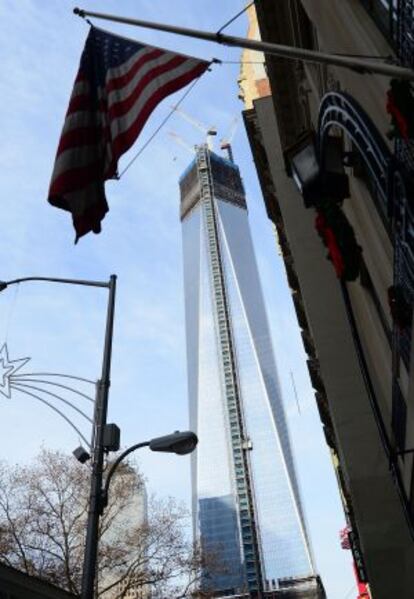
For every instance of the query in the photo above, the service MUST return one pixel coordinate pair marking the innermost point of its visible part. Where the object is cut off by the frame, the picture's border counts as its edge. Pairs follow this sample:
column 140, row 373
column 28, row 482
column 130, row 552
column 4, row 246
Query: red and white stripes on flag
column 344, row 537
column 118, row 85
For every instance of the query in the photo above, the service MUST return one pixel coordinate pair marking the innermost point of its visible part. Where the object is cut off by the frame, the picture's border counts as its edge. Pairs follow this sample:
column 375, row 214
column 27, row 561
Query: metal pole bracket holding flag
column 359, row 65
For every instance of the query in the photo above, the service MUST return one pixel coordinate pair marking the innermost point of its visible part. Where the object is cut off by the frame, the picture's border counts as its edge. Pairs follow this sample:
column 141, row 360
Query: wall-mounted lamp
column 318, row 182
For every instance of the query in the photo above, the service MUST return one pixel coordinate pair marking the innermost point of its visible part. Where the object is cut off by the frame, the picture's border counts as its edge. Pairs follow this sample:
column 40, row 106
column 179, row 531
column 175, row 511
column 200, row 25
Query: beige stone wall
column 388, row 549
column 253, row 81
column 343, row 26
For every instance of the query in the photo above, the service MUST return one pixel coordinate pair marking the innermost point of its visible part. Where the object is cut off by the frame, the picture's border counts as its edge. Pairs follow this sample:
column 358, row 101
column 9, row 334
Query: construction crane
column 225, row 142
column 179, row 140
column 209, row 131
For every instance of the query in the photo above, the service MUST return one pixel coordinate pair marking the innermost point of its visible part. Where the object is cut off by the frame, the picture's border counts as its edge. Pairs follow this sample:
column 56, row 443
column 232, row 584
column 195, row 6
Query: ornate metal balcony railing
column 404, row 208
column 405, row 31
column 393, row 178
column 395, row 19
column 385, row 15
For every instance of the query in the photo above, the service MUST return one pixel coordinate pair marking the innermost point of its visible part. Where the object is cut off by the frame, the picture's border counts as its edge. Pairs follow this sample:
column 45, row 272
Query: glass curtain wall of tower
column 246, row 505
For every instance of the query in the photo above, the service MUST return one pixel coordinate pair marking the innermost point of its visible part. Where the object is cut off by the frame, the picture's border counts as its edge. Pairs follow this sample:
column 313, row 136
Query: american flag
column 118, row 85
column 344, row 538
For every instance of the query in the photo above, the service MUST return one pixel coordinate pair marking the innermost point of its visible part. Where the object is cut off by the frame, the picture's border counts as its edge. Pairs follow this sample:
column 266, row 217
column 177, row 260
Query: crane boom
column 225, row 142
column 209, row 131
column 195, row 122
column 178, row 139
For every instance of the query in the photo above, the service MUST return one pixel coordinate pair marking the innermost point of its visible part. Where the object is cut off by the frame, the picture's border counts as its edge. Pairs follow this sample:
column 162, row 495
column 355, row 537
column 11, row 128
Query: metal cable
column 158, row 129
column 234, row 18
column 242, row 62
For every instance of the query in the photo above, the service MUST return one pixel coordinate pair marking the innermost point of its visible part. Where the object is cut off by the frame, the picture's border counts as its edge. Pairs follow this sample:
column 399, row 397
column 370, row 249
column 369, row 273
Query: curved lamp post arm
column 114, row 466
column 4, row 284
column 180, row 443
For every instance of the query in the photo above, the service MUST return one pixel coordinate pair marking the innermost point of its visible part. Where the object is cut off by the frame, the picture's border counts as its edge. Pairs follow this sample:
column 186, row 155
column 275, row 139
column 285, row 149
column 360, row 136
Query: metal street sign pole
column 101, row 408
column 359, row 65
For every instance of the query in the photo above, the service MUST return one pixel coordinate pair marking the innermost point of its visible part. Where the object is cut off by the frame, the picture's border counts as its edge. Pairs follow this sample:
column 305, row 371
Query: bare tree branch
column 43, row 512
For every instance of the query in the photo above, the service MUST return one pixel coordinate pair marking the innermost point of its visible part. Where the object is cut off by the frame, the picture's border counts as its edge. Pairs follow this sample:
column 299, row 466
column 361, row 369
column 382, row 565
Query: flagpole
column 359, row 65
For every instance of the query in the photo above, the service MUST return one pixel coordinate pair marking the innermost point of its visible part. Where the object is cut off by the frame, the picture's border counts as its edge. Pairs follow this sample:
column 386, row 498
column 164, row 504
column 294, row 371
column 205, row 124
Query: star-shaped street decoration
column 7, row 369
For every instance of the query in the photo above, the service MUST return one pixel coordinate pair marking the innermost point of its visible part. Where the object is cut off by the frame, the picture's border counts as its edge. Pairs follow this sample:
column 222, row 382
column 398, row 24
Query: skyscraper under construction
column 246, row 504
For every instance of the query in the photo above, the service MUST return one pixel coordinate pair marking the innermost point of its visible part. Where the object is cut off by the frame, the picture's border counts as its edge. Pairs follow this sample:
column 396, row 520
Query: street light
column 106, row 436
column 180, row 443
column 99, row 424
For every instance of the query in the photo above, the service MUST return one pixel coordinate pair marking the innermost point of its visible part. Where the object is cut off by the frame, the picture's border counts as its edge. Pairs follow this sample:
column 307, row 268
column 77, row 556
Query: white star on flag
column 7, row 369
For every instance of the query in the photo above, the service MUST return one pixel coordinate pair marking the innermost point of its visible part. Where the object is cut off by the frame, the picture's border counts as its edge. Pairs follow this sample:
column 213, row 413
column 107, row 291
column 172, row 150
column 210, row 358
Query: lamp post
column 106, row 437
column 99, row 424
column 180, row 443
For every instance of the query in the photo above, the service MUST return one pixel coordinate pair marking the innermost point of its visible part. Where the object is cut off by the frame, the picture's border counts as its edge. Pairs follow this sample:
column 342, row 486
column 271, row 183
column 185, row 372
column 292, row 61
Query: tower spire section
column 239, row 442
column 245, row 499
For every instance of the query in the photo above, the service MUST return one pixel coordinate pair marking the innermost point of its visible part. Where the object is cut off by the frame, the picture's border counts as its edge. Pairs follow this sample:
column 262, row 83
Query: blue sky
column 61, row 327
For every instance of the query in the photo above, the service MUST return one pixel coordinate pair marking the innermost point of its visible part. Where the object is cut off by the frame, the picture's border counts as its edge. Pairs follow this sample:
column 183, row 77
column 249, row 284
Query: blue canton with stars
column 103, row 51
